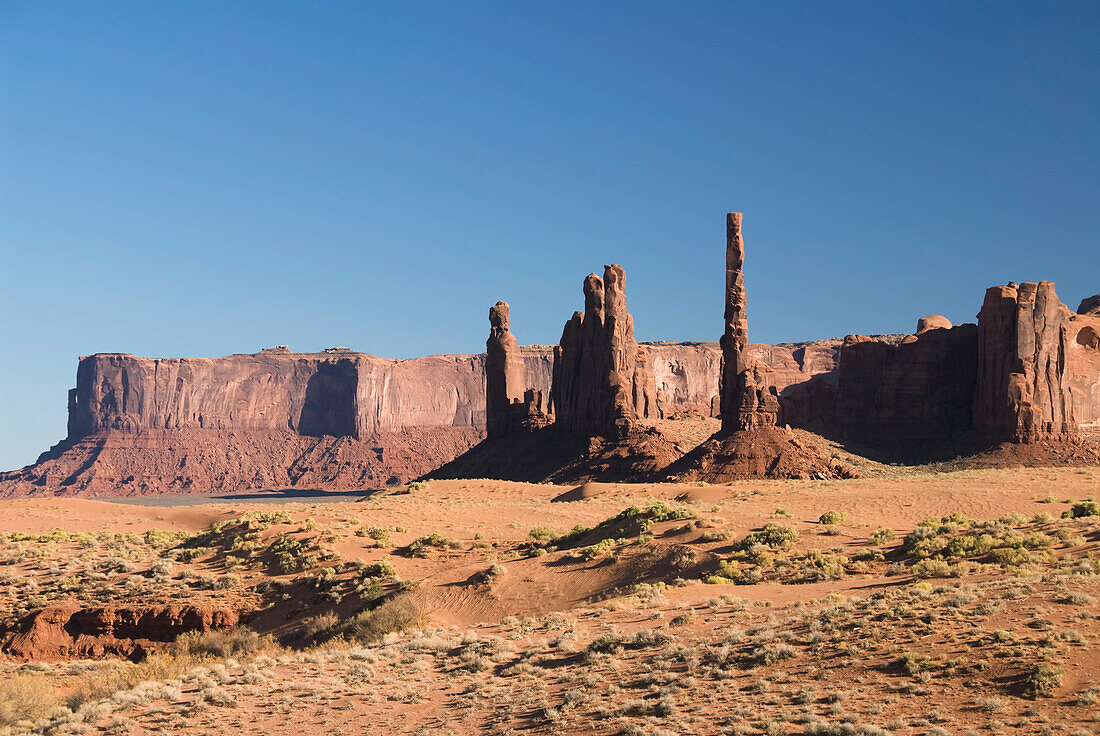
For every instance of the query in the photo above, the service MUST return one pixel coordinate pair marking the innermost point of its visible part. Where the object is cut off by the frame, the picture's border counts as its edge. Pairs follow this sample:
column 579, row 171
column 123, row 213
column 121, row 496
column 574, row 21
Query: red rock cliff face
column 341, row 395
column 1038, row 365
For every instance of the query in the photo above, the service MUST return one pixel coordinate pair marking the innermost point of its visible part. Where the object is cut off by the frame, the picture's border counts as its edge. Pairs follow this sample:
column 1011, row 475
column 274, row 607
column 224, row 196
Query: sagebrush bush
column 772, row 535
column 397, row 614
column 1088, row 507
column 1042, row 680
column 236, row 641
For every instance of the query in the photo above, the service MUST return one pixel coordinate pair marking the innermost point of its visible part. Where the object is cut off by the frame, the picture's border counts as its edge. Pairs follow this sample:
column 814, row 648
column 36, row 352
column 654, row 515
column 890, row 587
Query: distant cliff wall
column 344, row 394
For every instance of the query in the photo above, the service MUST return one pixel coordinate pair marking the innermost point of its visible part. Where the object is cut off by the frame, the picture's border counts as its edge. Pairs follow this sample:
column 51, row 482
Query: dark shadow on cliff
column 329, row 406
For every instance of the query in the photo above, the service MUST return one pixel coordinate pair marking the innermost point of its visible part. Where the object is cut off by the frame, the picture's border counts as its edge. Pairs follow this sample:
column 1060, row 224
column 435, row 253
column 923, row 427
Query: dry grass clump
column 26, row 698
column 395, row 614
column 237, row 641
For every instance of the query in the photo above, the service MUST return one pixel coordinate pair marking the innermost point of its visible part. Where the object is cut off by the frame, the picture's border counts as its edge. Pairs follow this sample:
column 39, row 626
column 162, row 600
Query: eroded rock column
column 504, row 383
column 599, row 388
column 746, row 398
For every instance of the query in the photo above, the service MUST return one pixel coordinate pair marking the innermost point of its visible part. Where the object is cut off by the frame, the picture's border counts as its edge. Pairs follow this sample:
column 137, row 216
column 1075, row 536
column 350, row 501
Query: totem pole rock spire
column 746, row 398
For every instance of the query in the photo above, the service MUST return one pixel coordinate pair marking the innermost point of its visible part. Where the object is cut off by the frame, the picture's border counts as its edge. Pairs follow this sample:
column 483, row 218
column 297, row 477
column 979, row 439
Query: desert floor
column 948, row 603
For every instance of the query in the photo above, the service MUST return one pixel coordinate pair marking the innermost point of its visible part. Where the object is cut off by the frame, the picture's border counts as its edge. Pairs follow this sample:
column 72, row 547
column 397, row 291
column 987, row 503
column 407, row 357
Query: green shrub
column 628, row 523
column 832, row 517
column 380, row 569
column 772, row 535
column 1088, row 507
column 1042, row 680
column 929, row 568
column 882, row 535
column 421, row 546
column 379, row 535
column 541, row 534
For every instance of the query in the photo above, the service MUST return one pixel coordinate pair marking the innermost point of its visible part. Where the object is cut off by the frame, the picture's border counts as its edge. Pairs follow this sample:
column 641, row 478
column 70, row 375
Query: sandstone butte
column 1028, row 374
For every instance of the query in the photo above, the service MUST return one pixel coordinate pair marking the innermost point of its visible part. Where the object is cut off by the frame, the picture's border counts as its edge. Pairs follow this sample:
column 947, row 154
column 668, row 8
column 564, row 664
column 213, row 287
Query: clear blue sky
column 203, row 178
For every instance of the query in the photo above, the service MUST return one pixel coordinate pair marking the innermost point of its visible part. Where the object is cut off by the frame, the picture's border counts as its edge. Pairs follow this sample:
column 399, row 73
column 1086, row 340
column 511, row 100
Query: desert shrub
column 882, row 535
column 608, row 643
column 418, row 485
column 380, row 569
column 930, row 568
column 832, row 517
column 1081, row 509
column 315, row 625
column 628, row 523
column 421, row 546
column 824, row 566
column 772, row 535
column 913, row 663
column 161, row 569
column 293, row 555
column 489, row 575
column 599, row 549
column 397, row 614
column 541, row 534
column 772, row 653
column 26, row 697
column 161, row 539
column 378, row 534
column 225, row 582
column 1042, row 680
column 236, row 641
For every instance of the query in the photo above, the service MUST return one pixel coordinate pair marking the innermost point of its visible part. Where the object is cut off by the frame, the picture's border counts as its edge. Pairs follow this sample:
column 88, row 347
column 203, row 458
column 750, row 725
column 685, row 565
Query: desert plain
column 907, row 601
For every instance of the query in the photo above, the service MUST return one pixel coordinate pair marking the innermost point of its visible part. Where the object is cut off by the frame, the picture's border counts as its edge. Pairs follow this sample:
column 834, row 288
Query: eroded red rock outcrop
column 68, row 631
column 1038, row 365
column 601, row 382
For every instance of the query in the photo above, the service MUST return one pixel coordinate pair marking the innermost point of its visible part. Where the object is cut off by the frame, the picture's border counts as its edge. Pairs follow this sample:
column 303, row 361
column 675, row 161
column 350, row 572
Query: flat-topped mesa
column 602, row 383
column 509, row 404
column 1025, row 385
column 746, row 398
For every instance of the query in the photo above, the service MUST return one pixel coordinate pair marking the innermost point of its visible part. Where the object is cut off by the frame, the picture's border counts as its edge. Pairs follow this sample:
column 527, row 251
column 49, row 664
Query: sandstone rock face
column 1038, row 365
column 503, row 371
column 686, row 375
column 599, row 388
column 746, row 397
column 933, row 322
column 317, row 394
column 67, row 631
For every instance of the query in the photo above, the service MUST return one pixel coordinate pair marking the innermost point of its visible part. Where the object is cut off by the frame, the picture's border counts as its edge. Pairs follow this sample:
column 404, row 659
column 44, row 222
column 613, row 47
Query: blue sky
column 203, row 178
